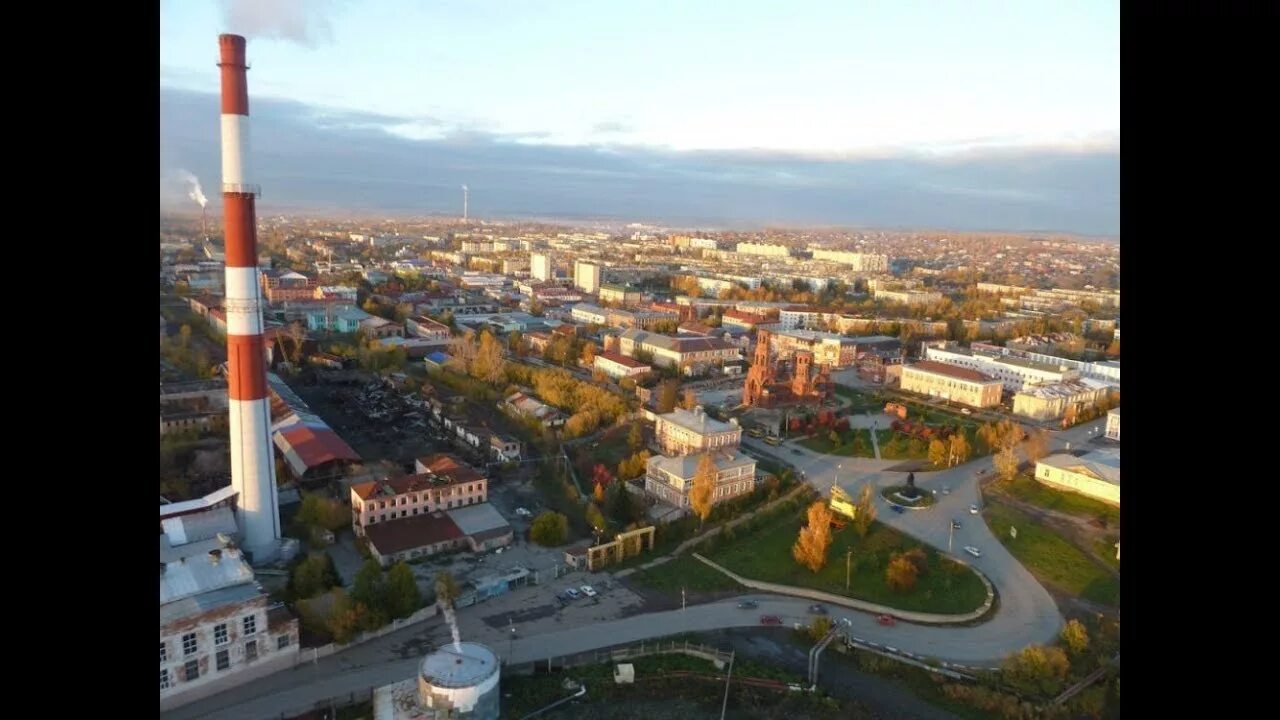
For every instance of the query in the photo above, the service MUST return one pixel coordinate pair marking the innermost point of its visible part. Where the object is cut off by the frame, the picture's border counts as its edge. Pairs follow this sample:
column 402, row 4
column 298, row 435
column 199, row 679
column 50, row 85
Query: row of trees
column 814, row 541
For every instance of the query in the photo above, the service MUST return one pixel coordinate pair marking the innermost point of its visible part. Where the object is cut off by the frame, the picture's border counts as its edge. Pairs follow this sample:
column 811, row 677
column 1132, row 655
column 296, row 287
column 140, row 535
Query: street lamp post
column 951, row 534
column 682, row 605
column 848, row 563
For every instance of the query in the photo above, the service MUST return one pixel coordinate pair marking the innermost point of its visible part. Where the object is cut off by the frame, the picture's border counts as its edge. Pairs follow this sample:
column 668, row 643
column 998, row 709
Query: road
column 1026, row 613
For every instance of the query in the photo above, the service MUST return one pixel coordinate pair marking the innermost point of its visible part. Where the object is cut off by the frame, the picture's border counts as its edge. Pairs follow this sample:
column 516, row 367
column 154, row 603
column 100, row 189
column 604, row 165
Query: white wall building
column 861, row 262
column 540, row 267
column 1113, row 424
column 1013, row 372
column 1095, row 474
column 586, row 276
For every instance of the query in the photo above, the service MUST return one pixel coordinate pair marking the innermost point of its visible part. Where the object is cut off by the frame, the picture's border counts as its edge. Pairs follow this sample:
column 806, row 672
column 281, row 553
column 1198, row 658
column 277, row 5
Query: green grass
column 1026, row 489
column 897, row 446
column 947, row 587
column 685, row 572
column 820, row 443
column 860, row 402
column 1050, row 557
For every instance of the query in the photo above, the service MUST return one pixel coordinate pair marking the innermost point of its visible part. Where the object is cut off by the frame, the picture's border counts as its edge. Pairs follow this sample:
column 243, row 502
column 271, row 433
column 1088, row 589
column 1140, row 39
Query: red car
column 770, row 620
column 886, row 620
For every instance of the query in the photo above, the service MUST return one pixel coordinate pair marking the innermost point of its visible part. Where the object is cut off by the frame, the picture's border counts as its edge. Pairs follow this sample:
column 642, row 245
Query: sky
column 977, row 114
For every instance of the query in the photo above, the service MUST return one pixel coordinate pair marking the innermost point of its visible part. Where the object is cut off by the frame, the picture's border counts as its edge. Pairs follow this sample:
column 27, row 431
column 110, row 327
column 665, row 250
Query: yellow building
column 1095, row 474
column 956, row 384
column 1050, row 401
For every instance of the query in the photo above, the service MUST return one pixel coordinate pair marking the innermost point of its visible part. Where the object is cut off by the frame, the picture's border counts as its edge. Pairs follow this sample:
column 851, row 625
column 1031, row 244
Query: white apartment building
column 586, row 276
column 951, row 383
column 766, row 249
column 540, row 267
column 1013, row 372
column 681, row 432
column 861, row 262
column 588, row 313
column 1051, row 400
column 619, row 366
column 1113, row 424
column 908, row 297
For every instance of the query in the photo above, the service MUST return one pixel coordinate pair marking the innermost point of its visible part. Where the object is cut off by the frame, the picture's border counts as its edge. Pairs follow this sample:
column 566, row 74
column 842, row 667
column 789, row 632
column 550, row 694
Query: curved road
column 1026, row 613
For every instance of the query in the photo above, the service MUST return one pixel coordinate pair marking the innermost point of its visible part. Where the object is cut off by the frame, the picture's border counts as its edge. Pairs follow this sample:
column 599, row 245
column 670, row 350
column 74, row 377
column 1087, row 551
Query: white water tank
column 460, row 681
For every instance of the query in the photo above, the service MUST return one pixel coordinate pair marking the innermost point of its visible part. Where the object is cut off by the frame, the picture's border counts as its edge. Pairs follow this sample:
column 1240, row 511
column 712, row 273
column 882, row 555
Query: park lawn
column 947, row 587
column 860, row 402
column 820, row 443
column 903, row 449
column 686, row 572
column 1027, row 489
column 1051, row 558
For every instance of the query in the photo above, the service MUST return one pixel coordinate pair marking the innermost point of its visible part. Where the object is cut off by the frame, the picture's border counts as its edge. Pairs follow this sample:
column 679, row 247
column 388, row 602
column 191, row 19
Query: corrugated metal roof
column 201, row 573
column 305, row 447
column 479, row 518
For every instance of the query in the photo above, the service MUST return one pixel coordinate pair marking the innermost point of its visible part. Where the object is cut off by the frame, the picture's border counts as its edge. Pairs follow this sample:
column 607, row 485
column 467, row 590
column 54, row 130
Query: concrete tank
column 460, row 683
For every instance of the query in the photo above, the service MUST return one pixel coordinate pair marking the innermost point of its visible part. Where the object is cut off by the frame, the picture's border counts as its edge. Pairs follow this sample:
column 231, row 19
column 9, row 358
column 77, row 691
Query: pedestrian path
column 875, row 444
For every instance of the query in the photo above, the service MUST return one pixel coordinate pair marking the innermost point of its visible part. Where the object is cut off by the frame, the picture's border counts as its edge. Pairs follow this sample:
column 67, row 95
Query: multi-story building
column 589, row 314
column 670, row 479
column 834, row 351
column 681, row 432
column 1095, row 474
column 1014, row 372
column 540, row 267
column 1052, row 400
column 908, row 297
column 861, row 262
column 765, row 249
column 441, row 483
column 339, row 319
column 703, row 243
column 281, row 287
column 586, row 276
column 690, row 355
column 1113, row 424
column 621, row 294
column 949, row 382
column 482, row 245
column 748, row 320
column 217, row 624
column 643, row 319
column 619, row 366
column 428, row 329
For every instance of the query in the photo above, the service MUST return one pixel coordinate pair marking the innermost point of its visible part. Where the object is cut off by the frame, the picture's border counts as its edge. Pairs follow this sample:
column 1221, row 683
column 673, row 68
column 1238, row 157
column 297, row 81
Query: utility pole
column 682, row 605
column 848, row 563
column 951, row 534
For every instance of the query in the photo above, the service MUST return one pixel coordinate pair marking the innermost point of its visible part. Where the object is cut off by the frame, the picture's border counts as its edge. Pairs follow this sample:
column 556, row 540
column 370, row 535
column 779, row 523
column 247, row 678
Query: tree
column 866, row 511
column 549, row 529
column 598, row 493
column 834, row 438
column 901, row 573
column 814, row 540
column 446, row 589
column 1036, row 670
column 462, row 350
column 702, row 494
column 321, row 512
column 1037, row 446
column 1006, row 464
column 635, row 437
column 369, row 587
column 345, row 617
column 959, row 451
column 312, row 576
column 666, row 401
column 600, row 475
column 1075, row 636
column 937, row 452
column 589, row 354
column 488, row 364
column 403, row 597
column 688, row 399
column 515, row 343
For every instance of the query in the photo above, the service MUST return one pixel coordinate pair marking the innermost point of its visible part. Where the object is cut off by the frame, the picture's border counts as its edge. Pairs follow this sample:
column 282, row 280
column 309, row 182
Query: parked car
column 887, row 620
column 966, row 411
column 898, row 509
column 747, row 604
column 973, row 551
column 589, row 591
column 770, row 620
column 772, row 441
column 796, row 451
column 946, row 489
column 955, row 524
column 523, row 512
column 817, row 609
column 973, row 509
column 572, row 594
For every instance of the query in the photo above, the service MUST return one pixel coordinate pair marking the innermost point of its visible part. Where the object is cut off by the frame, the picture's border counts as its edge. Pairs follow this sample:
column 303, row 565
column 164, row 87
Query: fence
column 332, row 704
column 621, row 653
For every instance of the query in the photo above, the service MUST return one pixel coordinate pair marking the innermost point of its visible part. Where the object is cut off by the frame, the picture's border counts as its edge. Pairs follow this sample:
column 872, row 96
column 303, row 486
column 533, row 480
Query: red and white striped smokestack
column 252, row 460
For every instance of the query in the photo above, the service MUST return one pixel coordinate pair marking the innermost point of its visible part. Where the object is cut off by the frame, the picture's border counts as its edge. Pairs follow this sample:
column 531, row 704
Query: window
column 282, row 642
column 164, row 651
column 220, row 634
column 251, row 651
column 250, row 624
column 223, row 660
column 189, row 644
column 191, row 670
column 164, row 678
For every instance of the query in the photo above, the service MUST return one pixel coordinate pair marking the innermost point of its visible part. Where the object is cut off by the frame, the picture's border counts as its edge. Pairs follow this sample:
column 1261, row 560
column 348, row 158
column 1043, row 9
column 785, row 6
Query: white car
column 572, row 593
column 522, row 512
column 973, row 551
column 589, row 591
column 973, row 509
column 966, row 411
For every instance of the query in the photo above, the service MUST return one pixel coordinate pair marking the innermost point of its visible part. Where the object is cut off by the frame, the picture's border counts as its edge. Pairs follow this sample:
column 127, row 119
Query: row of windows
column 415, row 510
column 424, row 497
column 222, row 661
column 191, row 642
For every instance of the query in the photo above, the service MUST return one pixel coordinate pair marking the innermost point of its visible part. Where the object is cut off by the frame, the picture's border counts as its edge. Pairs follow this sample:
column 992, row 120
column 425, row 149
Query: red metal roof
column 310, row 447
column 408, row 533
column 622, row 360
column 959, row 373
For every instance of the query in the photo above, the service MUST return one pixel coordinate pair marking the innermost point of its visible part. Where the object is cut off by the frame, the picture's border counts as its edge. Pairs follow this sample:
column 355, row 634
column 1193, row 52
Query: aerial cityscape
column 463, row 418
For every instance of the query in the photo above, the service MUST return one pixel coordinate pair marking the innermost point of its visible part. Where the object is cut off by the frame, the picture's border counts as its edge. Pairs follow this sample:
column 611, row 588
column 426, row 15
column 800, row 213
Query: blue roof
column 437, row 357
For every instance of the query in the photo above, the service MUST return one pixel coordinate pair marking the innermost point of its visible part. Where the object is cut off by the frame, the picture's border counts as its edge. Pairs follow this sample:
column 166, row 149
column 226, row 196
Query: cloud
column 308, row 157
column 608, row 127
column 305, row 22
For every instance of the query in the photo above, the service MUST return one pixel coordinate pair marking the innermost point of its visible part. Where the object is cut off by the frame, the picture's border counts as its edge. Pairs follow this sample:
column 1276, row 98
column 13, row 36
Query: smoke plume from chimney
column 302, row 21
column 196, row 193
